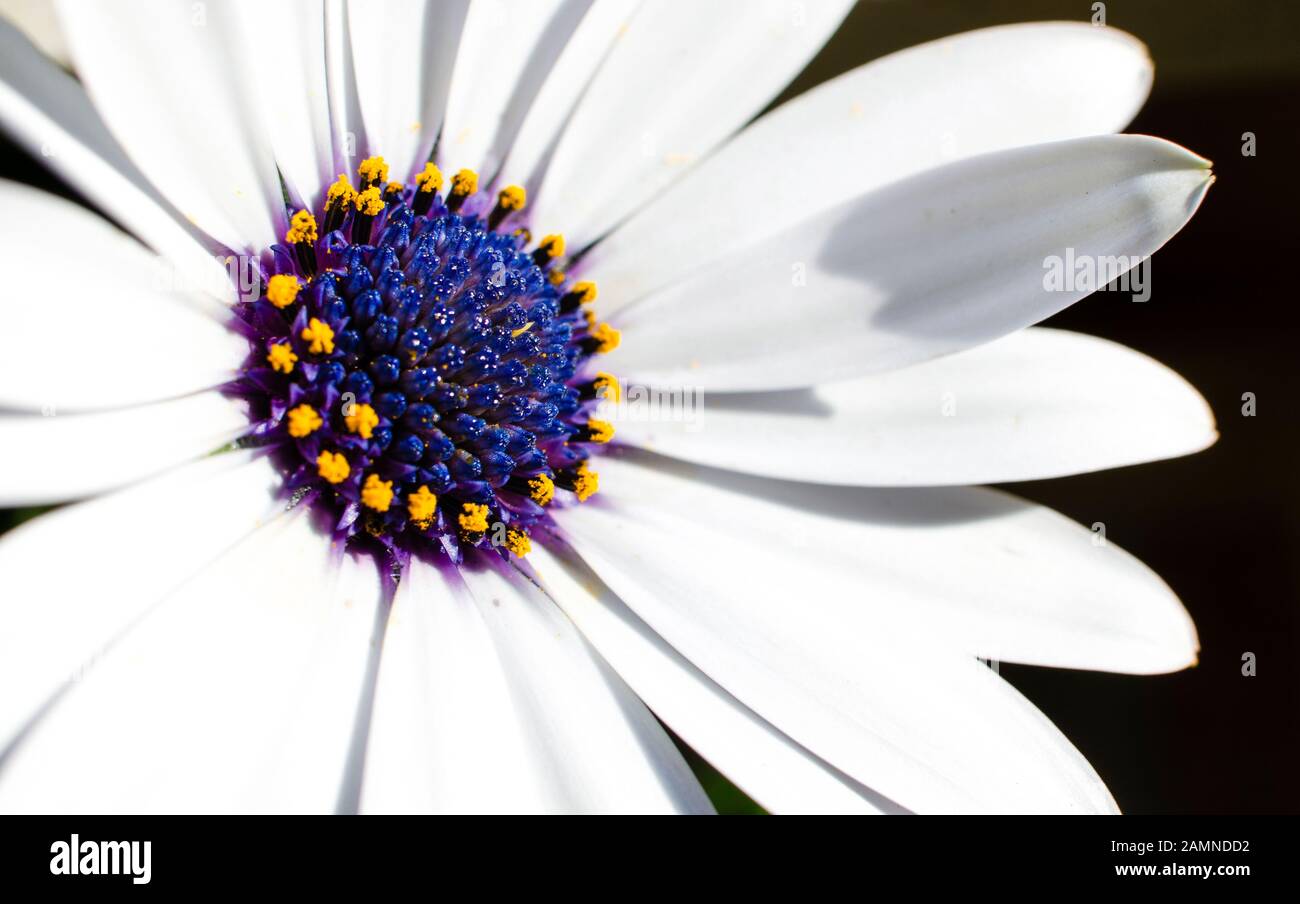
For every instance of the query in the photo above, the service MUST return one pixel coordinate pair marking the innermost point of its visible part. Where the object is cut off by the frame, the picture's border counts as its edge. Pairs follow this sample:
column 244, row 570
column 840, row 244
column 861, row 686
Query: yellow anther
column 333, row 466
column 541, row 488
column 515, row 334
column 607, row 338
column 321, row 337
column 341, row 192
column 361, row 420
column 421, row 505
column 282, row 289
column 394, row 188
column 430, row 179
column 281, row 358
column 464, row 183
column 302, row 228
column 556, row 277
column 607, row 386
column 585, row 483
column 523, row 232
column 518, row 543
column 377, row 494
column 590, row 316
column 373, row 170
column 303, row 421
column 552, row 246
column 370, row 202
column 473, row 518
column 601, row 431
column 512, row 197
column 586, row 291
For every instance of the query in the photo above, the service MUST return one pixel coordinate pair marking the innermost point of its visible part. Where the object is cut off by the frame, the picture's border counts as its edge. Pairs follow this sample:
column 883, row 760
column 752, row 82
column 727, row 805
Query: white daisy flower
column 397, row 588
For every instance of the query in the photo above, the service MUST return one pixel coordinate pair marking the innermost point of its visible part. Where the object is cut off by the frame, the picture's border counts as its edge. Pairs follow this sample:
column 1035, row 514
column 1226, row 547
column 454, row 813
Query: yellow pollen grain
column 281, row 358
column 590, row 317
column 332, row 466
column 556, row 277
column 362, row 421
column 430, row 179
column 394, row 188
column 303, row 421
column 601, row 431
column 607, row 337
column 607, row 386
column 473, row 518
column 464, row 183
column 586, row 483
column 542, row 489
column 421, row 505
column 373, row 170
column 552, row 246
column 341, row 192
column 512, row 197
column 370, row 202
column 518, row 543
column 282, row 290
column 585, row 290
column 302, row 228
column 321, row 337
column 377, row 494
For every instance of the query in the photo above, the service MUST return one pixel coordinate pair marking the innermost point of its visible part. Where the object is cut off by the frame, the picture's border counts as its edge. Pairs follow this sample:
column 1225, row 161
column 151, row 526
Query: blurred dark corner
column 1220, row 527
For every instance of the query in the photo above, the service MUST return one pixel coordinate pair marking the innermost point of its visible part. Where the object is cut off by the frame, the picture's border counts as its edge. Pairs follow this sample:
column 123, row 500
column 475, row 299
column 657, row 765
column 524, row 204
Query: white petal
column 939, row 262
column 505, row 54
column 1036, row 404
column 78, row 577
column 774, row 770
column 174, row 83
column 561, row 88
column 403, row 52
column 489, row 701
column 754, row 582
column 37, row 20
column 98, row 326
column 287, row 42
column 674, row 86
column 239, row 693
column 48, row 113
column 976, row 569
column 54, row 457
column 925, row 106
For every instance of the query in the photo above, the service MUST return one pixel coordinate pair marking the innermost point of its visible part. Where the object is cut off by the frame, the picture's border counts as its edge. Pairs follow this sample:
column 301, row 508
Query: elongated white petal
column 936, row 263
column 403, row 52
column 845, row 617
column 174, row 83
column 505, row 54
column 774, row 770
column 548, row 112
column 53, row 457
column 47, row 112
column 287, row 44
column 894, row 117
column 96, row 324
column 675, row 85
column 976, row 569
column 488, row 700
column 56, row 618
column 238, row 694
column 1036, row 404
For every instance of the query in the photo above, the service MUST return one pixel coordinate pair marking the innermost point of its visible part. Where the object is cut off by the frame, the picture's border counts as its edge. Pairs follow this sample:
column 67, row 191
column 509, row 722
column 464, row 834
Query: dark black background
column 1220, row 526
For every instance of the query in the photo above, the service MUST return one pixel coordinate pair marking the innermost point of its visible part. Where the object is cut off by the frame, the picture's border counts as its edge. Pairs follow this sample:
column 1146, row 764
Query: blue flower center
column 424, row 379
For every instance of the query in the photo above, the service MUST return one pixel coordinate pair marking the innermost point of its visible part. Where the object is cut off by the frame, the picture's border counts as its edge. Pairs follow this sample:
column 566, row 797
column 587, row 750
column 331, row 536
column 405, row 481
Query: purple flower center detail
column 424, row 381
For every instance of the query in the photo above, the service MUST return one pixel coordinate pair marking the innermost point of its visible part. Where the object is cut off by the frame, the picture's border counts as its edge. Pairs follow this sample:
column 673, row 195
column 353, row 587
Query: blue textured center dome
column 424, row 379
